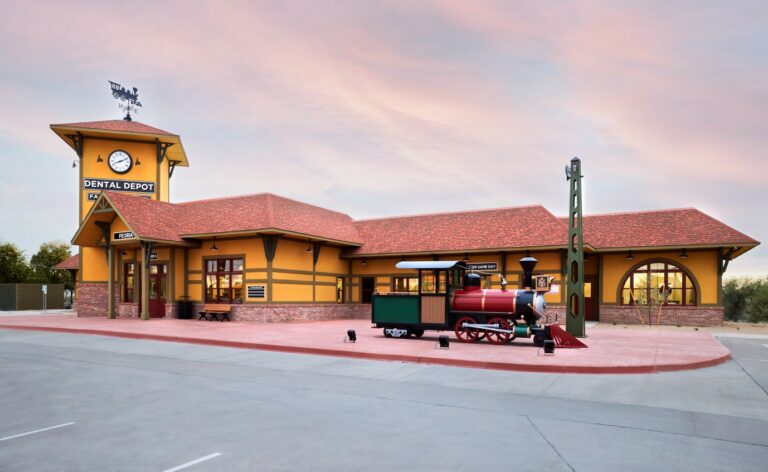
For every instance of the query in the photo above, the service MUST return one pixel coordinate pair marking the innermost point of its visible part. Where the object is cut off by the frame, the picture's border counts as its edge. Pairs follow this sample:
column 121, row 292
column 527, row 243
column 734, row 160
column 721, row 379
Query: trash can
column 184, row 308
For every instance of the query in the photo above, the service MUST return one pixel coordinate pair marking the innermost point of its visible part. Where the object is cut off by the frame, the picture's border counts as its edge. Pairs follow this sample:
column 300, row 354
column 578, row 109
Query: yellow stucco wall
column 147, row 171
column 701, row 265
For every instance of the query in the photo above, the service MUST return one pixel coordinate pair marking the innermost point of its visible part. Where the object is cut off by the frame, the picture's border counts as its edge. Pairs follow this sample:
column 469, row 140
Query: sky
column 386, row 108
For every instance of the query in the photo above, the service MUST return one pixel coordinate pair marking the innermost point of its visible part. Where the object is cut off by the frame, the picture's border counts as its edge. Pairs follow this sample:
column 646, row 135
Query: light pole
column 574, row 305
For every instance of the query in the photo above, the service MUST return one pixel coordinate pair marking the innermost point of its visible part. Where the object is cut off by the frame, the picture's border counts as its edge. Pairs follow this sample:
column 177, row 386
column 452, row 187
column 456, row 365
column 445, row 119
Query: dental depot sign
column 134, row 186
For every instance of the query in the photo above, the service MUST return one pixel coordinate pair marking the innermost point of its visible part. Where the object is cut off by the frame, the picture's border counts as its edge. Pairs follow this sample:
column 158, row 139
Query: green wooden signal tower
column 574, row 306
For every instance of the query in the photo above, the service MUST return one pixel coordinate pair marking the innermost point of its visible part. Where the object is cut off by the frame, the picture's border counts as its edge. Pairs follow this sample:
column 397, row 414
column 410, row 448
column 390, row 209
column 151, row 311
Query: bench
column 219, row 311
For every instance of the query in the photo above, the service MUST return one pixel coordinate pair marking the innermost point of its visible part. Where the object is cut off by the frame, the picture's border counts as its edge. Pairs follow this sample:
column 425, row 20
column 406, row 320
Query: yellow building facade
column 276, row 259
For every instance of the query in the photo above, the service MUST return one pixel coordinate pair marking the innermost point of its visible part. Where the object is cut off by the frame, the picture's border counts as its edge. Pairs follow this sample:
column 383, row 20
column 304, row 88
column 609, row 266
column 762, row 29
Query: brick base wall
column 670, row 315
column 553, row 314
column 279, row 313
column 127, row 310
column 91, row 299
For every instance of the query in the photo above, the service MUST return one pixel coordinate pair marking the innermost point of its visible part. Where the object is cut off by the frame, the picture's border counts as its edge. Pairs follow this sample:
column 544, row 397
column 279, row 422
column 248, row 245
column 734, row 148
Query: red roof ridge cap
column 456, row 212
column 231, row 197
column 637, row 212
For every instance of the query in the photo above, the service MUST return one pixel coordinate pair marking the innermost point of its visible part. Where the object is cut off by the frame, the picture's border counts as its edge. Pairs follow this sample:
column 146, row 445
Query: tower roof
column 125, row 130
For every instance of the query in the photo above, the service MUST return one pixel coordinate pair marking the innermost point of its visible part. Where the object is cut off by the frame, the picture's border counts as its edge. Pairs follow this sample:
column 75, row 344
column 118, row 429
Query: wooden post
column 146, row 248
column 110, row 283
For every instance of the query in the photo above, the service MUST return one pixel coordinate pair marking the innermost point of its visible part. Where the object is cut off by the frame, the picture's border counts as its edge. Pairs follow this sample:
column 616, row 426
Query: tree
column 50, row 254
column 746, row 300
column 13, row 264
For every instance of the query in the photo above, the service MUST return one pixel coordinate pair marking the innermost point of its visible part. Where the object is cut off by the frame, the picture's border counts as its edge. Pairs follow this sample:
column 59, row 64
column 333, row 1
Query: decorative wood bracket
column 77, row 141
column 270, row 247
column 171, row 166
column 315, row 253
column 105, row 231
column 147, row 253
column 162, row 148
column 725, row 259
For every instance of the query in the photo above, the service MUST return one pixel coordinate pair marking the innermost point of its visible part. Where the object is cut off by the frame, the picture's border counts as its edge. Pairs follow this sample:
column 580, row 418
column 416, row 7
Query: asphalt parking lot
column 81, row 403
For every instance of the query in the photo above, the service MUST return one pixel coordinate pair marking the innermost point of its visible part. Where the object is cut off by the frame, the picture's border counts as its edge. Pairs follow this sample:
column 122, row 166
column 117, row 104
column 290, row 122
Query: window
column 129, row 282
column 405, row 284
column 648, row 283
column 339, row 289
column 224, row 281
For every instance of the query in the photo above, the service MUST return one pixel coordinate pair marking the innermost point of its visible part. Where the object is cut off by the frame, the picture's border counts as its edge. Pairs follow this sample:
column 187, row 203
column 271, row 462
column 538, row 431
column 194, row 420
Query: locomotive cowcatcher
column 453, row 300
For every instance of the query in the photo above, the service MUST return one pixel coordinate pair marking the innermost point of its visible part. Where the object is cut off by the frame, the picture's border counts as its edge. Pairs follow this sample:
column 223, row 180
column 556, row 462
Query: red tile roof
column 151, row 219
column 115, row 125
column 72, row 262
column 661, row 228
column 520, row 227
column 495, row 229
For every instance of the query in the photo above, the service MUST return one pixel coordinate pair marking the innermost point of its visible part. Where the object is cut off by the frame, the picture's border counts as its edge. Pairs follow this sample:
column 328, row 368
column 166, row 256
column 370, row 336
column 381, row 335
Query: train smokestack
column 528, row 263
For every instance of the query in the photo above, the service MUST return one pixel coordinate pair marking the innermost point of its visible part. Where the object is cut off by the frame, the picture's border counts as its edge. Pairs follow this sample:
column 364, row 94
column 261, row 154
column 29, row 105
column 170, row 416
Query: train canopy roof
column 431, row 265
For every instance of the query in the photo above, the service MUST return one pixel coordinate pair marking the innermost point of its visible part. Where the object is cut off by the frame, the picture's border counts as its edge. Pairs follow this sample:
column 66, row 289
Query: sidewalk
column 611, row 351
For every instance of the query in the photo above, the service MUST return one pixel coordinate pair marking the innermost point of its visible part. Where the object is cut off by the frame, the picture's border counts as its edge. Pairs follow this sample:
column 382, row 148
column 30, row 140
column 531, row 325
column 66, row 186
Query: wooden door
column 158, row 285
column 368, row 286
column 590, row 298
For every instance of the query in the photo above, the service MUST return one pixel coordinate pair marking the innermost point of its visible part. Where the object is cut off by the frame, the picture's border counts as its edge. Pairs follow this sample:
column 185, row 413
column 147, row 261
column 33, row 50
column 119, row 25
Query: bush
column 746, row 300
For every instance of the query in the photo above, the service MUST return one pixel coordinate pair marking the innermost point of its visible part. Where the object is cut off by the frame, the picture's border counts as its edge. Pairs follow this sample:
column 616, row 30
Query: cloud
column 385, row 108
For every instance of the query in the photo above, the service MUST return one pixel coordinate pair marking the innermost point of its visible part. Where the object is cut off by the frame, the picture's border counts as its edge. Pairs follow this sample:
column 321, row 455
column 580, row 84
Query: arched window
column 647, row 283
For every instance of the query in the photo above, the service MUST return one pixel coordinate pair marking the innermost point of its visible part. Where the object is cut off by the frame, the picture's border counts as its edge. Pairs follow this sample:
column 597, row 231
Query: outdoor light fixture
column 74, row 164
column 99, row 159
column 629, row 256
column 351, row 335
column 213, row 246
column 683, row 255
column 363, row 262
column 309, row 248
column 442, row 341
column 466, row 257
column 123, row 253
column 138, row 161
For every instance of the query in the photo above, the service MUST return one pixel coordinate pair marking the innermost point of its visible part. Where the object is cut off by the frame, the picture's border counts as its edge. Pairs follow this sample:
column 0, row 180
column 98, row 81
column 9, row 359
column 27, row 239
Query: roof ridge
column 636, row 212
column 231, row 197
column 456, row 212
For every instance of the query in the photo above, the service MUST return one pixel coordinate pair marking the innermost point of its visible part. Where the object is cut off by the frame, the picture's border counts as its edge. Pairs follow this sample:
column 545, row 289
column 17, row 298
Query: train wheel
column 387, row 333
column 418, row 333
column 466, row 335
column 498, row 338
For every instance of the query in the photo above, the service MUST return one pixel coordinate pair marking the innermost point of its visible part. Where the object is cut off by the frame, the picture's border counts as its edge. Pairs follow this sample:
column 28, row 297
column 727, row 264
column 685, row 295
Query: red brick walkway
column 640, row 350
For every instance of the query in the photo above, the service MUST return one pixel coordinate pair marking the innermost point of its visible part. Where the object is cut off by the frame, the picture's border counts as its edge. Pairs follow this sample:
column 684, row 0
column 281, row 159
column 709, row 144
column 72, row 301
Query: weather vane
column 129, row 100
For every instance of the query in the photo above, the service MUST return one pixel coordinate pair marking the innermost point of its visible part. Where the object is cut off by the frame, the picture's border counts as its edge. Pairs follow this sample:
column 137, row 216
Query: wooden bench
column 219, row 311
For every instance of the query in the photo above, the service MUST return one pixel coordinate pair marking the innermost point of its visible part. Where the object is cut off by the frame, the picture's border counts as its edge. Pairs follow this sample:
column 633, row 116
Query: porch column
column 146, row 248
column 110, row 282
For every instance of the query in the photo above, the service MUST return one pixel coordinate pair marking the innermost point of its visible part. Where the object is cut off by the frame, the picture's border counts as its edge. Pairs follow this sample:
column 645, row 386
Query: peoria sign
column 119, row 185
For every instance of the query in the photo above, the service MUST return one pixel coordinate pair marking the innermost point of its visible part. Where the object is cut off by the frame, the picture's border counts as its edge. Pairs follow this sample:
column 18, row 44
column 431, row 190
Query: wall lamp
column 363, row 262
column 683, row 255
column 466, row 257
column 213, row 246
column 138, row 161
column 629, row 256
column 99, row 159
column 74, row 164
column 309, row 248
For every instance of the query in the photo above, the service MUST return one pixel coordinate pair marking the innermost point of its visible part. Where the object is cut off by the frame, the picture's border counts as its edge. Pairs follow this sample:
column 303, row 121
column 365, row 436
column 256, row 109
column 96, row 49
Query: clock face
column 120, row 162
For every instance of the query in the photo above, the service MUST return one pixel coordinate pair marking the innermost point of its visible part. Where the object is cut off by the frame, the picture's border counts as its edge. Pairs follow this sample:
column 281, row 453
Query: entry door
column 158, row 285
column 590, row 298
column 369, row 283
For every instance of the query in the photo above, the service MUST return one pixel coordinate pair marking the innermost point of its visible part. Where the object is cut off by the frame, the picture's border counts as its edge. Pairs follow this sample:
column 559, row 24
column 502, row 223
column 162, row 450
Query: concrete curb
column 559, row 369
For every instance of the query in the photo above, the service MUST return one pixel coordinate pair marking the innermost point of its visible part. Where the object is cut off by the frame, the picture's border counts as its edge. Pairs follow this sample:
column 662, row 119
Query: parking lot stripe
column 37, row 431
column 191, row 463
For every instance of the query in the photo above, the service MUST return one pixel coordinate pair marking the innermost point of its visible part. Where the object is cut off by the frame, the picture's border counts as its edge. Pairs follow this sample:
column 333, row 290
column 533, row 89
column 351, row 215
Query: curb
column 554, row 369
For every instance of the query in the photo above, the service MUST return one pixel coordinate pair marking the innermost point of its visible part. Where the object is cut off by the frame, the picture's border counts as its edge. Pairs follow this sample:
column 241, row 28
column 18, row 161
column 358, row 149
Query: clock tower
column 119, row 156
